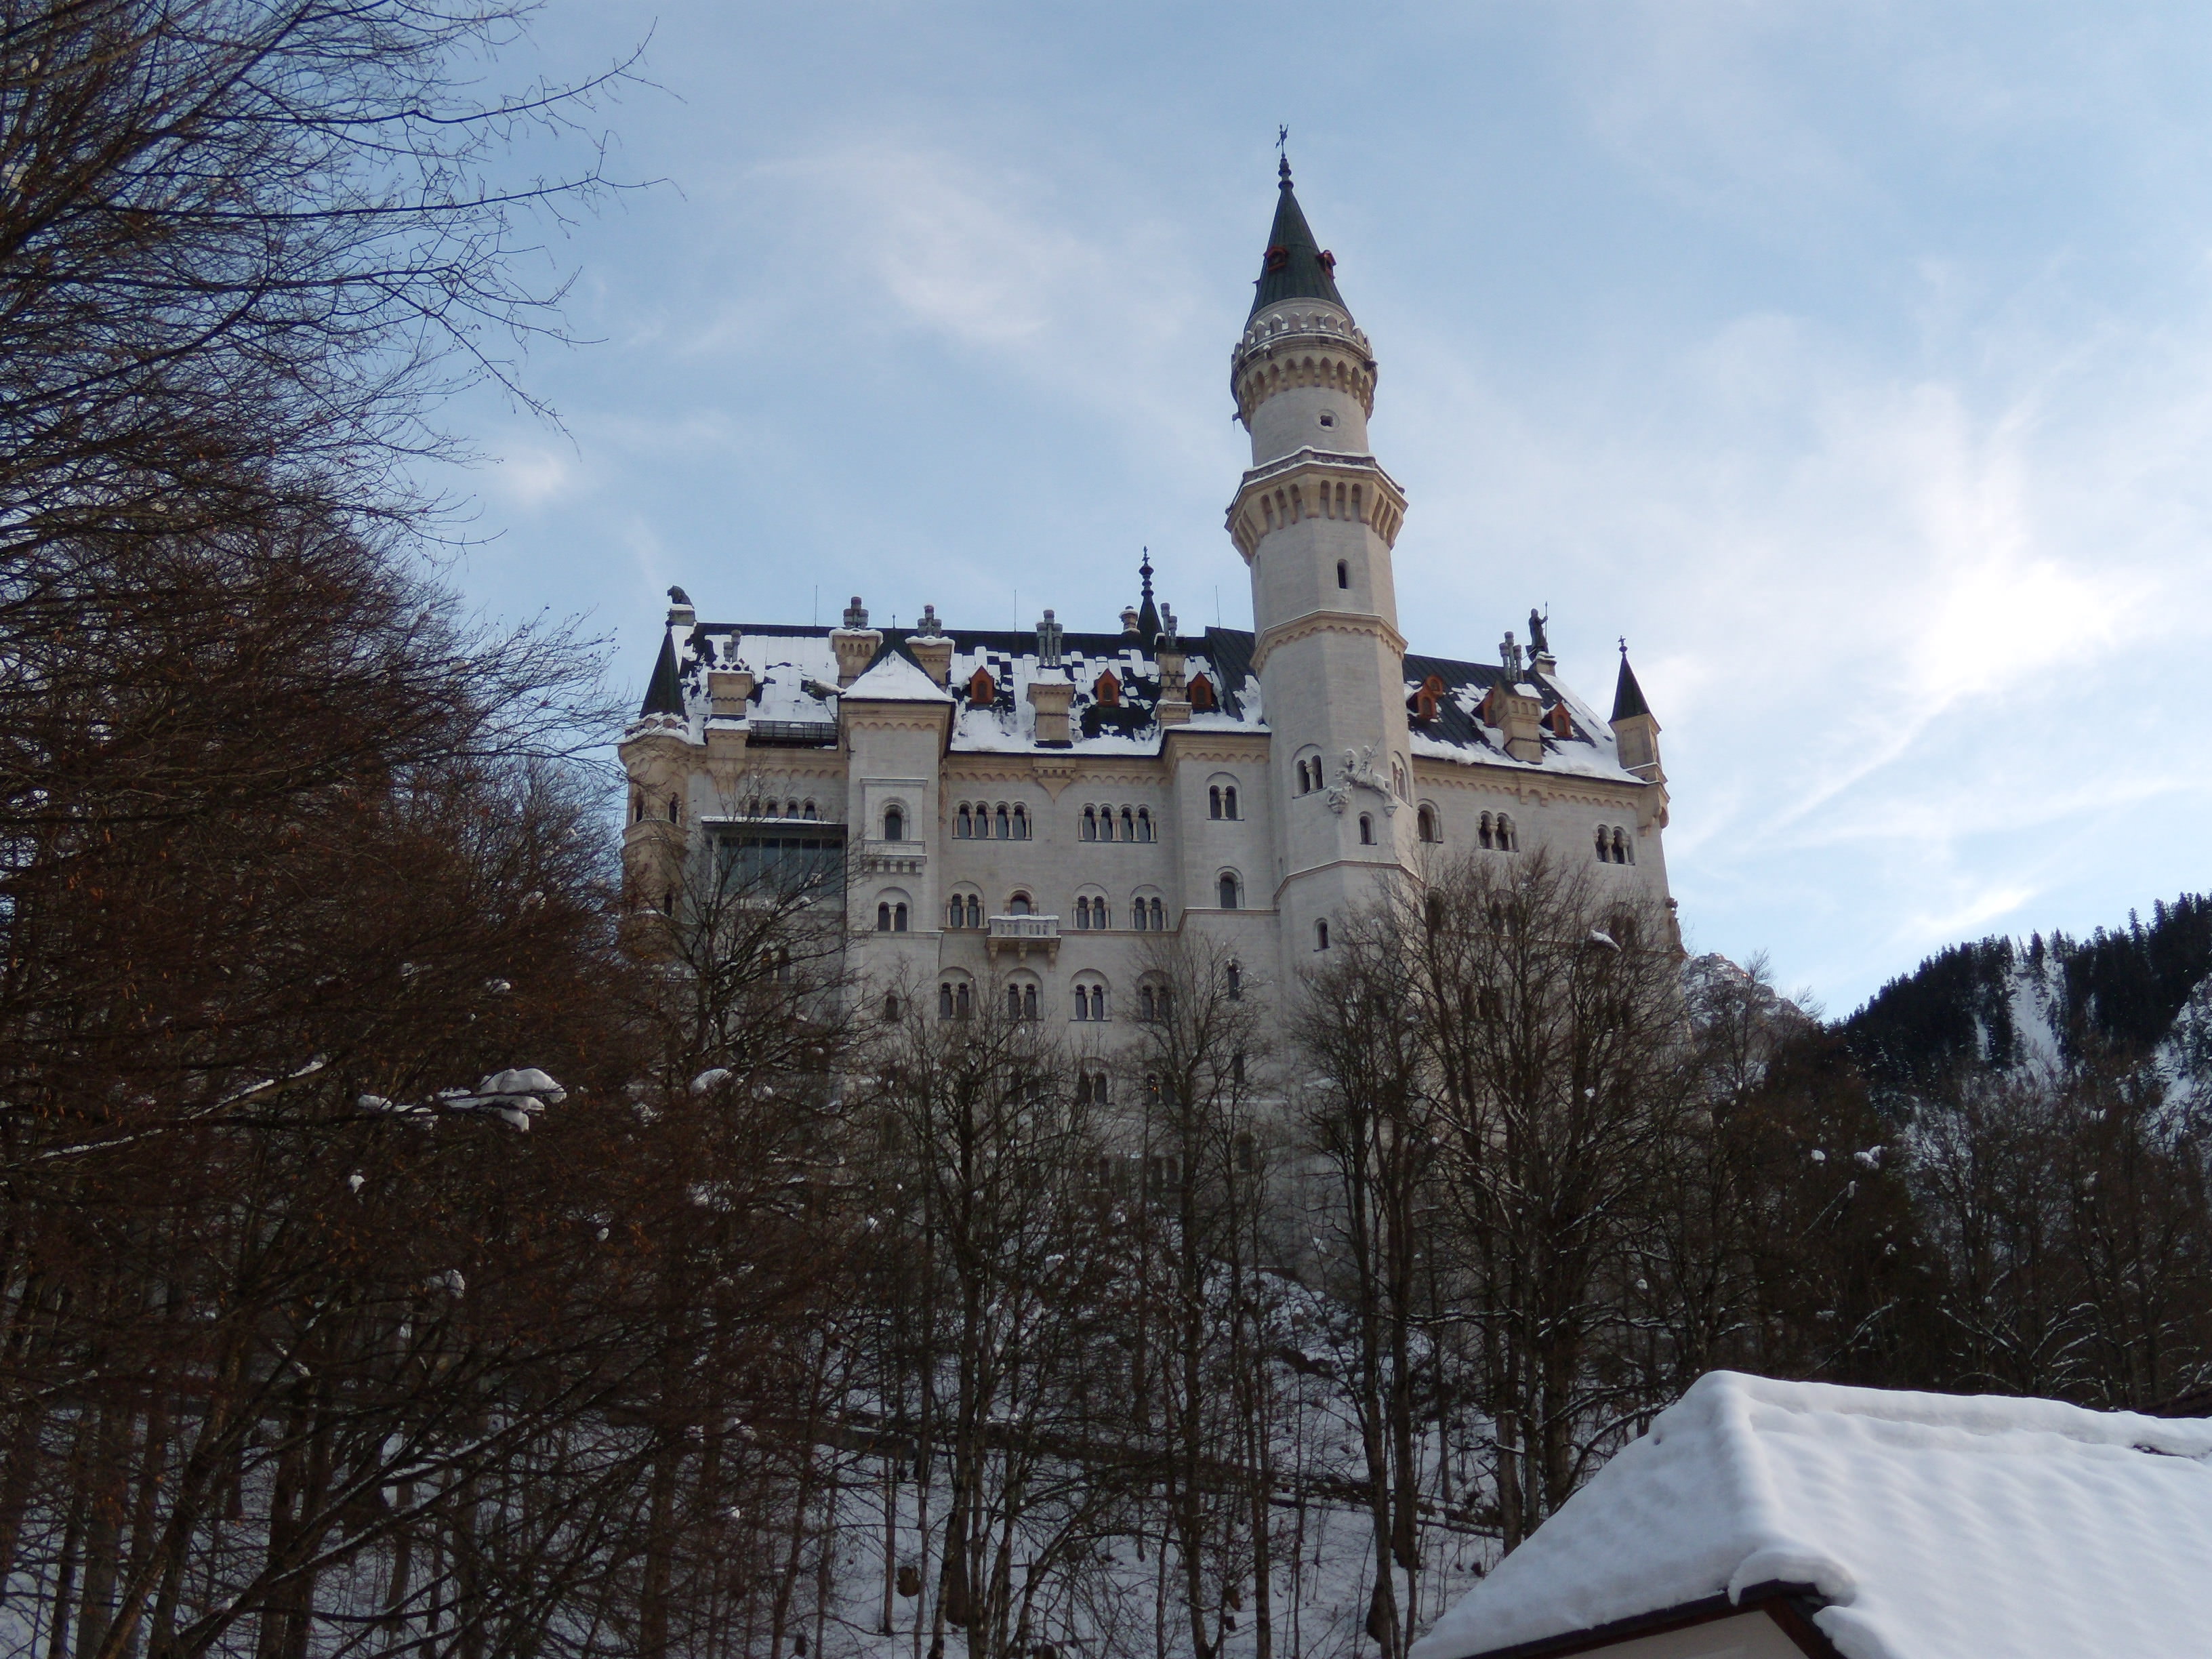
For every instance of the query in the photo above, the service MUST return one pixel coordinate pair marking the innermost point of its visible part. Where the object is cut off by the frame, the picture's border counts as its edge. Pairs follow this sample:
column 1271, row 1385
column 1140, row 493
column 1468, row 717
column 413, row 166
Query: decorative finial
column 1145, row 570
column 1624, row 645
column 1282, row 155
column 929, row 623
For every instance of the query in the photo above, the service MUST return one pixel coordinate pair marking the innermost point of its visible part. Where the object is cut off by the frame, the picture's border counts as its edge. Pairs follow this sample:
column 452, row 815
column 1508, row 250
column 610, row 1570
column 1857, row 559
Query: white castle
column 1015, row 814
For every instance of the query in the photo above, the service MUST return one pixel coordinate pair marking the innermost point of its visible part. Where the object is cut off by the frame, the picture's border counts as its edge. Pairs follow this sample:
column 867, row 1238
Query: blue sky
column 1855, row 361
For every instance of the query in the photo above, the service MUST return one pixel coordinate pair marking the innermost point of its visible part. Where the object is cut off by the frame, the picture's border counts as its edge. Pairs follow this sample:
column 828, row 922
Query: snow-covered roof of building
column 1933, row 1526
column 795, row 693
column 895, row 676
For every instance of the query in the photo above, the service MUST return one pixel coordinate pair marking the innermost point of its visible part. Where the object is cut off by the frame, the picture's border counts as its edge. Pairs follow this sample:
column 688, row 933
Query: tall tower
column 1314, row 519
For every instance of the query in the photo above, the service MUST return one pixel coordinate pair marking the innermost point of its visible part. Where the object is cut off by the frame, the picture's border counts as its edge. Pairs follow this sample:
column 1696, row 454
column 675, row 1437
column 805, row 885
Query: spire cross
column 1283, row 152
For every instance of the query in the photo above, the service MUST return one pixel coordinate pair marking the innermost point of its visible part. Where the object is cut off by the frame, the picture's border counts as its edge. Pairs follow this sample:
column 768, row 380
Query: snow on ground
column 1936, row 1525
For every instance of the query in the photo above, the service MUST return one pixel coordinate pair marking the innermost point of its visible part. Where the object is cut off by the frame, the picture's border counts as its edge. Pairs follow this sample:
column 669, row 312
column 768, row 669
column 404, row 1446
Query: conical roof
column 1148, row 614
column 1294, row 266
column 664, row 692
column 1627, row 695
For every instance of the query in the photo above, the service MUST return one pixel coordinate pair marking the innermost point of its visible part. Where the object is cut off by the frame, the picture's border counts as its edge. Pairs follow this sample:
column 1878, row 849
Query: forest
column 405, row 1249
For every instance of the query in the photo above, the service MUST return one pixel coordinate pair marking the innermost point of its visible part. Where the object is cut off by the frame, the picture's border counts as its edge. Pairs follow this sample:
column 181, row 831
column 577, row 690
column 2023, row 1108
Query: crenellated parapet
column 1282, row 350
column 1315, row 484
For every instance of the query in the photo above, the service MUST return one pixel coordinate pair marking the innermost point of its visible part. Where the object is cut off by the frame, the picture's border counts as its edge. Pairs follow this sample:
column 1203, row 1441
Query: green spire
column 1627, row 695
column 1294, row 268
column 1148, row 614
column 664, row 693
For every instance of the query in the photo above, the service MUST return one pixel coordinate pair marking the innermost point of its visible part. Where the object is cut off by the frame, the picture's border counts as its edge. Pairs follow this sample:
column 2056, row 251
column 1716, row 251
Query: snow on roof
column 1934, row 1525
column 895, row 678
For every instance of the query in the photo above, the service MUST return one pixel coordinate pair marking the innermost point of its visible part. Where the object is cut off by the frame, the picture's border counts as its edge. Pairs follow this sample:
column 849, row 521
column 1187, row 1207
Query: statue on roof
column 1539, row 641
column 677, row 596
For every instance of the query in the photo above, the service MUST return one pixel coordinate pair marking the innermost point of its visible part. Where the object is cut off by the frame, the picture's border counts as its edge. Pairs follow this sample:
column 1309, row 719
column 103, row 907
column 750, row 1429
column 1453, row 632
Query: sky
column 1852, row 362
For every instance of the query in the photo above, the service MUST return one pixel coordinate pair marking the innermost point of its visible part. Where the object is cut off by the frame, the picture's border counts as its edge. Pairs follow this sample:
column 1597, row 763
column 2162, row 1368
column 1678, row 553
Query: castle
column 1016, row 814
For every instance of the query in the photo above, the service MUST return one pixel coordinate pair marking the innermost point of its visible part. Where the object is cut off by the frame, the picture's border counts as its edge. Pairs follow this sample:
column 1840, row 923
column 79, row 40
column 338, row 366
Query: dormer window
column 983, row 690
column 1201, row 692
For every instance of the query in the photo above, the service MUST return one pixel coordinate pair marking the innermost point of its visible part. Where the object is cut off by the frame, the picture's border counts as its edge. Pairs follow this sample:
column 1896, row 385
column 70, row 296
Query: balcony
column 893, row 858
column 1023, row 934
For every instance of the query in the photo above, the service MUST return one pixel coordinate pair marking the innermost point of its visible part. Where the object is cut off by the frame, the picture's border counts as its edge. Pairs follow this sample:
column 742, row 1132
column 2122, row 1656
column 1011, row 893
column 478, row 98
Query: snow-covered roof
column 1932, row 1525
column 795, row 693
column 895, row 677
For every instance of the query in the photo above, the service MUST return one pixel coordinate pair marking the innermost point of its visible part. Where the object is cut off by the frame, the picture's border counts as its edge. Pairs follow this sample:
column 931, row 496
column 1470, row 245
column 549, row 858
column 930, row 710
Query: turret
column 1635, row 729
column 1315, row 519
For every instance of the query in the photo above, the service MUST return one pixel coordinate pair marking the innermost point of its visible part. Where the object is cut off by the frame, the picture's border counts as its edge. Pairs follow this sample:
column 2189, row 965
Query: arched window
column 1098, row 1002
column 1201, row 692
column 963, row 826
column 1013, row 1002
column 1029, row 1002
column 1138, row 916
column 1159, row 916
column 983, row 691
column 1128, row 825
column 884, row 917
column 1426, row 820
column 1366, row 830
column 1083, row 914
column 1213, row 802
column 1090, row 830
column 1005, row 824
column 771, row 810
column 809, row 813
column 1604, row 849
column 1233, row 977
column 1432, row 911
column 974, row 910
column 894, row 824
column 945, row 1000
column 898, row 918
column 1505, row 833
column 1145, row 1003
column 637, row 807
column 1098, row 913
column 1621, row 847
column 1320, row 936
column 1229, row 801
column 1230, row 892
column 1486, row 833
column 1106, row 690
column 1018, row 905
column 890, row 1005
column 1021, row 822
column 1343, row 573
column 1143, row 823
column 1082, row 1003
column 674, row 810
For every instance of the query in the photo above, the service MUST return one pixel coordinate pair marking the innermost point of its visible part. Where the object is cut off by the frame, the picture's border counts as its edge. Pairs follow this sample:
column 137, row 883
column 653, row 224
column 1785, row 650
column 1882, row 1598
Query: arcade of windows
column 1097, row 823
column 1615, row 845
column 980, row 821
column 1221, row 801
column 1496, row 833
column 957, row 999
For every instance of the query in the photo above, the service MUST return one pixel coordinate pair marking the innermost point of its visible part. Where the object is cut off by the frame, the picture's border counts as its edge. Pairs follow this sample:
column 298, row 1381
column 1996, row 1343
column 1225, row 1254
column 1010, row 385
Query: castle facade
column 1019, row 815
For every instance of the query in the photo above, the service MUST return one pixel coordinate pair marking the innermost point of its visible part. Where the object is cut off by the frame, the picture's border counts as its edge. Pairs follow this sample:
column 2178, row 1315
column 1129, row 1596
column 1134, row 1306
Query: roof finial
column 1145, row 570
column 1624, row 645
column 1282, row 155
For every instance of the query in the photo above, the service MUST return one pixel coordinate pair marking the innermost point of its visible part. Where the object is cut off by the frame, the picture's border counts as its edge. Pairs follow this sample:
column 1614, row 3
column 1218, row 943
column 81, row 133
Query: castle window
column 1106, row 690
column 770, row 811
column 894, row 824
column 1213, row 802
column 1366, row 830
column 674, row 810
column 1621, row 848
column 1128, row 825
column 1426, row 819
column 1343, row 573
column 1201, row 692
column 1018, row 905
column 1229, row 802
column 1029, row 1002
column 954, row 911
column 1090, row 831
column 964, row 827
column 1159, row 916
column 1005, row 824
column 974, row 910
column 1504, row 832
column 809, row 813
column 1229, row 892
column 1320, row 936
column 983, row 691
column 1248, row 1152
column 790, row 809
column 1236, row 1067
column 891, row 1006
column 1329, row 424
column 637, row 807
column 1143, row 823
column 945, row 1000
column 884, row 917
column 1233, row 977
column 1021, row 823
column 1485, row 834
column 668, row 902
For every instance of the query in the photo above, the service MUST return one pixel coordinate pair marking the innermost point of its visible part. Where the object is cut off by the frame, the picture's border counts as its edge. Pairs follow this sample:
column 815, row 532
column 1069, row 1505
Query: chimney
column 1129, row 621
column 932, row 646
column 1174, row 706
column 1050, row 693
column 728, row 692
column 1049, row 635
column 855, row 643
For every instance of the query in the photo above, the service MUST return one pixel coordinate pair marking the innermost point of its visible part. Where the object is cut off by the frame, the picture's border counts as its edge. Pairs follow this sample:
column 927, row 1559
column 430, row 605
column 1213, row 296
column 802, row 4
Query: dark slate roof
column 1293, row 268
column 664, row 694
column 1627, row 695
